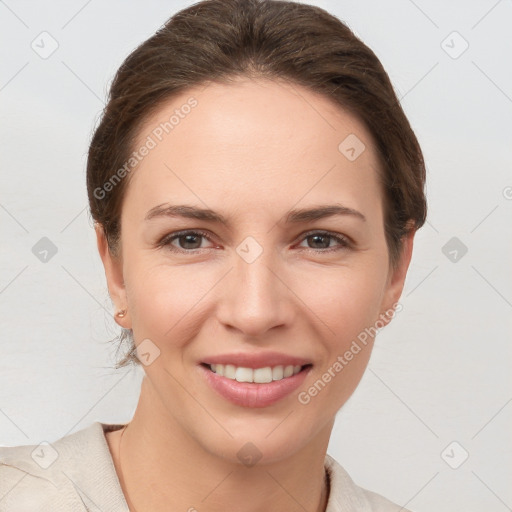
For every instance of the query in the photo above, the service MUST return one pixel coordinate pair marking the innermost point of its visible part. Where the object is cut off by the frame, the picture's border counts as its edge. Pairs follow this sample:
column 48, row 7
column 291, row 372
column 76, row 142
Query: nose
column 255, row 297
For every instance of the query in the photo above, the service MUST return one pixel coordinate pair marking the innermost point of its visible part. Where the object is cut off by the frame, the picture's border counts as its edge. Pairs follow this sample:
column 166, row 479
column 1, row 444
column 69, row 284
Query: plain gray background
column 440, row 372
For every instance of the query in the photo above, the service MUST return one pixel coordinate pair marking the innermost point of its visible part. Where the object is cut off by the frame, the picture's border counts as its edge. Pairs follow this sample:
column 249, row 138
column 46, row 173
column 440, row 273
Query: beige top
column 76, row 473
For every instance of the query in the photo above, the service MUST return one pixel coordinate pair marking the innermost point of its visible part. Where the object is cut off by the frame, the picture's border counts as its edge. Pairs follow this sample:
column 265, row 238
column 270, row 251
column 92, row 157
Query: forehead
column 250, row 136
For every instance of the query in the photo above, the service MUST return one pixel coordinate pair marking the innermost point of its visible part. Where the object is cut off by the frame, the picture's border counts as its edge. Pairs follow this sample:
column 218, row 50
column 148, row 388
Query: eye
column 188, row 241
column 321, row 241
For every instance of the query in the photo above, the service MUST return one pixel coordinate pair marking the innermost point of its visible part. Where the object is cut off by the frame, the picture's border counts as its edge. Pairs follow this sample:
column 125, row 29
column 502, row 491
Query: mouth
column 263, row 375
column 254, row 387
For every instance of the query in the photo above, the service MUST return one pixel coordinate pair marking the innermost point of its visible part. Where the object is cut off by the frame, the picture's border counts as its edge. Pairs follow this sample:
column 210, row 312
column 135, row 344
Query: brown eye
column 321, row 241
column 187, row 241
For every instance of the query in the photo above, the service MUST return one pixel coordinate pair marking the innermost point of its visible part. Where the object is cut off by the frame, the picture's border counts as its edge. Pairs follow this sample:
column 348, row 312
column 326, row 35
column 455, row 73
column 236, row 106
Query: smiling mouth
column 263, row 375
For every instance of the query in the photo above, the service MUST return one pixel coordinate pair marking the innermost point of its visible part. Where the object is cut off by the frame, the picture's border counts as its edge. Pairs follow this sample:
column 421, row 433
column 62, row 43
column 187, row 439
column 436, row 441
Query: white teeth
column 257, row 375
column 288, row 371
column 218, row 368
column 229, row 371
column 277, row 373
column 262, row 375
column 244, row 374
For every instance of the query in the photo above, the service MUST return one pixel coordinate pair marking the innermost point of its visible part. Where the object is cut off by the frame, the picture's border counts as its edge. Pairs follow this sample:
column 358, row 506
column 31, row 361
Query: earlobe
column 114, row 275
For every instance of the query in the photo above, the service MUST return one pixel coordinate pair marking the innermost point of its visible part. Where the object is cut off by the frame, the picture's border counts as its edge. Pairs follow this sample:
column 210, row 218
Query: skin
column 251, row 150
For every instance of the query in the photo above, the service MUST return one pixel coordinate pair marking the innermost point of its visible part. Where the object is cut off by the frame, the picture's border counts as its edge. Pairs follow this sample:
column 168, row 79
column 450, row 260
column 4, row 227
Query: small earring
column 121, row 314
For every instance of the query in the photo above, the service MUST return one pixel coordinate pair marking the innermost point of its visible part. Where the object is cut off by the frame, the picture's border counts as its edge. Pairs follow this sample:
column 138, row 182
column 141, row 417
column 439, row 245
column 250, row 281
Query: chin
column 262, row 440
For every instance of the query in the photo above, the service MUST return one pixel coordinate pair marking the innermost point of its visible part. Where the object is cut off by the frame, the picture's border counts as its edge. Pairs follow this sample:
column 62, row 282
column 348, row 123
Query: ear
column 396, row 279
column 114, row 274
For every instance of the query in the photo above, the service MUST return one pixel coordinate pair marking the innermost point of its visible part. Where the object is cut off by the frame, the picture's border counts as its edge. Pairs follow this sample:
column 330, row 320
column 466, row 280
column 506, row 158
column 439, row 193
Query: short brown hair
column 215, row 40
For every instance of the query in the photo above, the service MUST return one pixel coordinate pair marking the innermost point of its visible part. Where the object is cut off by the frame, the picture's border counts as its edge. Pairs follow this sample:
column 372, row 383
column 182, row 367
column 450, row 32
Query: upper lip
column 256, row 360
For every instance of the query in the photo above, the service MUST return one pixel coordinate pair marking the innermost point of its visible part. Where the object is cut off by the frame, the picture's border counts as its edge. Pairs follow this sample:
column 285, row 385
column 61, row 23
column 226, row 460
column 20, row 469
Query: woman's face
column 268, row 284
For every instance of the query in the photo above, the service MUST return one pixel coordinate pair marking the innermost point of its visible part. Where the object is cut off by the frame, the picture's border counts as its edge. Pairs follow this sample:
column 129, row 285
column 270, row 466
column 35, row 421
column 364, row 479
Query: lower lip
column 250, row 394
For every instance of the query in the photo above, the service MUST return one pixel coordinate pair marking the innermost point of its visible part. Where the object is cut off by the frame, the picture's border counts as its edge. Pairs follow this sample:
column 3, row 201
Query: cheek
column 347, row 302
column 344, row 299
column 166, row 301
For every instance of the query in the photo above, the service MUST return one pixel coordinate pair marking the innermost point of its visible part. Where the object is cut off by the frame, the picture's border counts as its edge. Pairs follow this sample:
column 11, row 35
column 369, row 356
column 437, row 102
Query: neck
column 194, row 479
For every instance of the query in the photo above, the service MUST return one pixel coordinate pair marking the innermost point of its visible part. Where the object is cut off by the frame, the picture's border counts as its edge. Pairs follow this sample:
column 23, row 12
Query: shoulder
column 346, row 495
column 27, row 483
column 22, row 491
column 55, row 476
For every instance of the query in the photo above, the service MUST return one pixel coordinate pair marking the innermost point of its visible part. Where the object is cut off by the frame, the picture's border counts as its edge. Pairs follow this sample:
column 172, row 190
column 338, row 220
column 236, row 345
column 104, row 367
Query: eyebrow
column 292, row 217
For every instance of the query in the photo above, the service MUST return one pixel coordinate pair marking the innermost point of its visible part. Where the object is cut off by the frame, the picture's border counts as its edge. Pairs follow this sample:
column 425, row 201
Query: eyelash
column 342, row 240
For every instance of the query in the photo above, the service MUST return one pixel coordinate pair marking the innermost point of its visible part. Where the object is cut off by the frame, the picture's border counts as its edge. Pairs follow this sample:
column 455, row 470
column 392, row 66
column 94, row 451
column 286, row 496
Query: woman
column 256, row 188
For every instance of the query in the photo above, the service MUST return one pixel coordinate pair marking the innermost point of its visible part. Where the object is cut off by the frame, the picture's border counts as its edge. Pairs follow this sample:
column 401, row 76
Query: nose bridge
column 257, row 298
